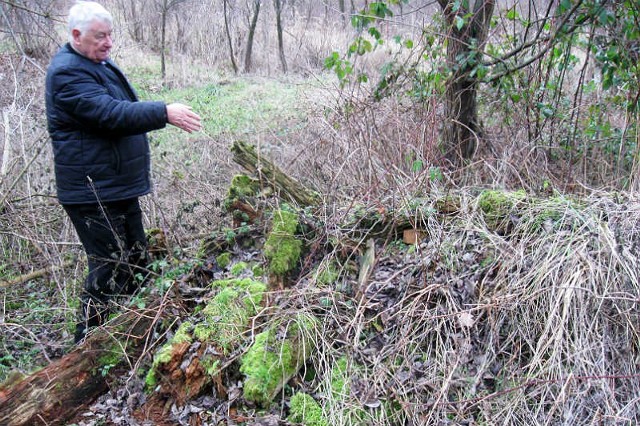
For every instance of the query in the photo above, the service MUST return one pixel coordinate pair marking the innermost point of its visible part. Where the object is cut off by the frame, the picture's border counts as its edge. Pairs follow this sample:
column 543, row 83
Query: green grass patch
column 237, row 107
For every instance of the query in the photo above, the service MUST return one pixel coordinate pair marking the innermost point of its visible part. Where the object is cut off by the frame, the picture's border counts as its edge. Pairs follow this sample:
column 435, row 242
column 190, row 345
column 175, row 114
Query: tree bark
column 163, row 35
column 271, row 176
column 227, row 30
column 59, row 391
column 250, row 37
column 467, row 35
column 278, row 7
column 343, row 12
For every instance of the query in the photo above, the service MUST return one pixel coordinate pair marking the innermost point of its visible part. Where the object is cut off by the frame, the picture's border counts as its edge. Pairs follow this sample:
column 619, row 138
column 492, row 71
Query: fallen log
column 271, row 176
column 194, row 358
column 59, row 391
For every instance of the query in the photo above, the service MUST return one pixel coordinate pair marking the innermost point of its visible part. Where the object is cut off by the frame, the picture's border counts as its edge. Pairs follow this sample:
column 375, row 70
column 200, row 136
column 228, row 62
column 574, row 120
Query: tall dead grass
column 537, row 326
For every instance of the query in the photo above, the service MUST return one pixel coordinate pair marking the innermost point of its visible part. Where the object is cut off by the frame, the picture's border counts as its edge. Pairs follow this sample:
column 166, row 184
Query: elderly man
column 101, row 155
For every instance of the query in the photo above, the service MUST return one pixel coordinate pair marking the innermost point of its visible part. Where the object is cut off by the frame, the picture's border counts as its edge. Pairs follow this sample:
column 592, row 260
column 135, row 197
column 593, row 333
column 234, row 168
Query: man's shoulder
column 68, row 63
column 66, row 57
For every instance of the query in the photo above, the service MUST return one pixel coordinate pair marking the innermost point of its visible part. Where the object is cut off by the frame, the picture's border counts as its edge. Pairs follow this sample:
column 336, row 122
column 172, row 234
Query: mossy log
column 193, row 359
column 275, row 357
column 270, row 175
column 56, row 393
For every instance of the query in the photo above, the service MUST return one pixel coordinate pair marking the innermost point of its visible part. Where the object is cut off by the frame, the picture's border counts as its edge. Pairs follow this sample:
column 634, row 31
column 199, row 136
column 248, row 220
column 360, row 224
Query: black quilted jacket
column 97, row 128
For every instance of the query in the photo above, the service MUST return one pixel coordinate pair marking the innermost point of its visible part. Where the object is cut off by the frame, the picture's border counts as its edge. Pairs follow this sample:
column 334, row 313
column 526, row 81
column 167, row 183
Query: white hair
column 83, row 13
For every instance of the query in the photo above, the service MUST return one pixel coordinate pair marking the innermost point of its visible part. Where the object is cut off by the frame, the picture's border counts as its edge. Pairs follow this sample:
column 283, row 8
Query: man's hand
column 183, row 117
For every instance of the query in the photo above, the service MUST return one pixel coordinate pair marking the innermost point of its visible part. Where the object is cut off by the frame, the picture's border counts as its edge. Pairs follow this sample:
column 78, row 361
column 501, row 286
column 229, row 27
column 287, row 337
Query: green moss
column 305, row 410
column 340, row 390
column 210, row 365
column 227, row 315
column 242, row 188
column 151, row 380
column 110, row 358
column 271, row 361
column 498, row 205
column 327, row 274
column 339, row 385
column 223, row 260
column 282, row 249
column 257, row 270
column 554, row 213
column 239, row 268
column 265, row 365
column 163, row 355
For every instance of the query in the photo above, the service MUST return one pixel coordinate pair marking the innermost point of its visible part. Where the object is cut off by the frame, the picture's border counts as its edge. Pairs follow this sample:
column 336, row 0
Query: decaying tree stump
column 67, row 385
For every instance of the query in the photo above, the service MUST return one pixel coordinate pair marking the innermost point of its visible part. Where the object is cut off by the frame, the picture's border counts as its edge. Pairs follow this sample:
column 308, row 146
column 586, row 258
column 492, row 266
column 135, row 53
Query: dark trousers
column 113, row 238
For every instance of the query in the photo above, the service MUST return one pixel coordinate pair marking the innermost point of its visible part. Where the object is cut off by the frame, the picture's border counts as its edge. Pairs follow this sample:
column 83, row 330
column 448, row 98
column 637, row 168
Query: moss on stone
column 282, row 249
column 306, row 410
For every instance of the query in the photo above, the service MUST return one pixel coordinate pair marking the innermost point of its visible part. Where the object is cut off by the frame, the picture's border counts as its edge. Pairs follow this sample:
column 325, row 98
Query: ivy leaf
column 459, row 22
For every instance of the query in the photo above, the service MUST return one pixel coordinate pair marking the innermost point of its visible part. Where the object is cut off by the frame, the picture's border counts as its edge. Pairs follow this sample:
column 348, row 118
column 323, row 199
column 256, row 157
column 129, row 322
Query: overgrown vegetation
column 518, row 303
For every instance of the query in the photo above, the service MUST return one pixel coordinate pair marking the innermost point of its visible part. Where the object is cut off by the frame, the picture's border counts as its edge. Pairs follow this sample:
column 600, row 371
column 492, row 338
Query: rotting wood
column 270, row 175
column 59, row 391
column 197, row 355
column 367, row 262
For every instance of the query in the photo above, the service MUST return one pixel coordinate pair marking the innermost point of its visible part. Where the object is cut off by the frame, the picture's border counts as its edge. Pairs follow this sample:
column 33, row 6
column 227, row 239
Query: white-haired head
column 83, row 13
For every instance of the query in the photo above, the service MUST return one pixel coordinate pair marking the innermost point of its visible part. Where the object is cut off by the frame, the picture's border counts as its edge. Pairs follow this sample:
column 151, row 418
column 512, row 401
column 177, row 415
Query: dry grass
column 539, row 326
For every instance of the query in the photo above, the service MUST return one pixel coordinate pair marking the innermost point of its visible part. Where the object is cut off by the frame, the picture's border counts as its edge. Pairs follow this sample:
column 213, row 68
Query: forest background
column 375, row 105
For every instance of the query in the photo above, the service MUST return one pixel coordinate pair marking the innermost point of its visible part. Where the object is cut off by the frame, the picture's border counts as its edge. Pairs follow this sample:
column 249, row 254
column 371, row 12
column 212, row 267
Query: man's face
column 95, row 43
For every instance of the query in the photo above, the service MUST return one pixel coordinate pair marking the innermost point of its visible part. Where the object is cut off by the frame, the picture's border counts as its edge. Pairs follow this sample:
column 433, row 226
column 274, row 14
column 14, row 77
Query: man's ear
column 75, row 33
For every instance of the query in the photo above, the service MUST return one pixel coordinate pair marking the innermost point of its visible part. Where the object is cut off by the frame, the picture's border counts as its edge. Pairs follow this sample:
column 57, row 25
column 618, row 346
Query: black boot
column 92, row 315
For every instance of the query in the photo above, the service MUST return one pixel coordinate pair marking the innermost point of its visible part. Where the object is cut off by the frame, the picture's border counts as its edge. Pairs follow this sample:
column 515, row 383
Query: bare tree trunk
column 252, row 32
column 132, row 13
column 283, row 61
column 163, row 34
column 462, row 129
column 6, row 151
column 227, row 30
column 343, row 14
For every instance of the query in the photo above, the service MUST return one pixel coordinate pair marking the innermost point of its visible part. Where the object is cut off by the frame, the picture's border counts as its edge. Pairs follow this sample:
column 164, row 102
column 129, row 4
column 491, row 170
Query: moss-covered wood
column 67, row 385
column 275, row 356
column 192, row 360
column 271, row 176
column 282, row 248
